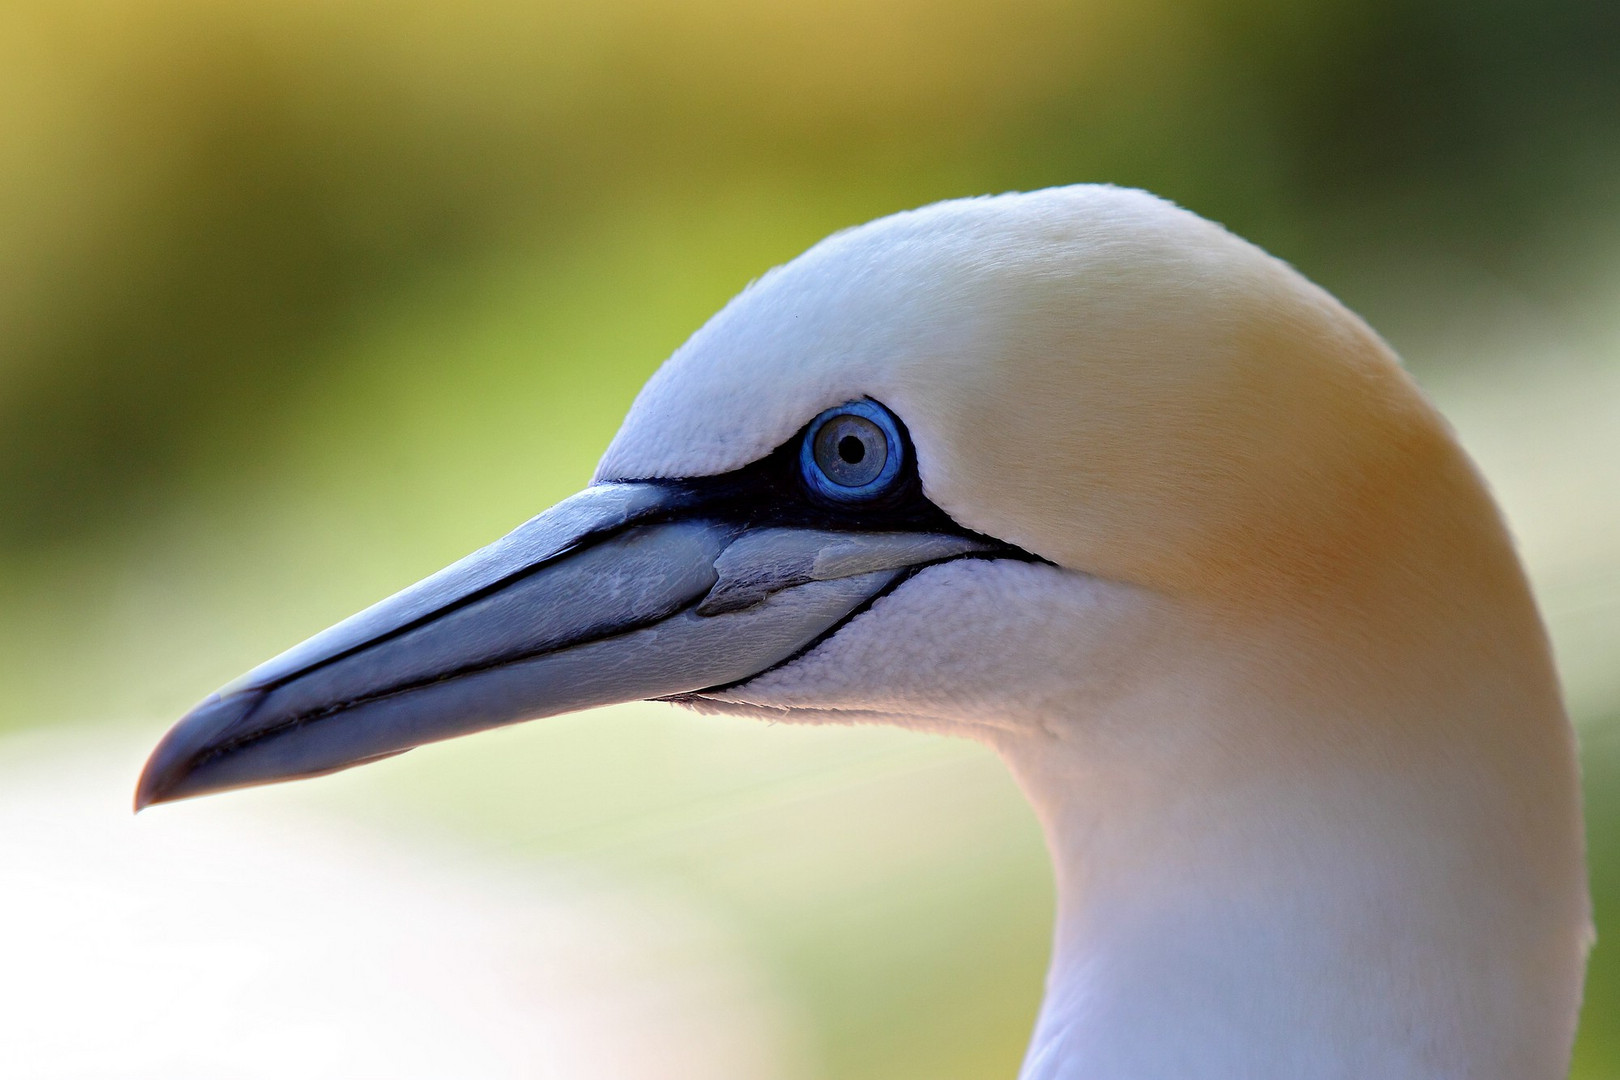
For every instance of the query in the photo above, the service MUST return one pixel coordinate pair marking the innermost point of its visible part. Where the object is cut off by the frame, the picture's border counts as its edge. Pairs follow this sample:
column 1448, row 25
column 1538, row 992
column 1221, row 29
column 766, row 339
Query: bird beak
column 625, row 591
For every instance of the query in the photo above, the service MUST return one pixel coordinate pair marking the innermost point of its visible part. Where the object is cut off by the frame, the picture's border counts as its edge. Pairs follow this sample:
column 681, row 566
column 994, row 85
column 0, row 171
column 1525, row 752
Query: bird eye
column 852, row 451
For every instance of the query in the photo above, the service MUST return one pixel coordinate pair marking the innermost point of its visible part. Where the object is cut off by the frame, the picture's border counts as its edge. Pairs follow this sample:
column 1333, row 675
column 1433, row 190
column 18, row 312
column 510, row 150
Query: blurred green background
column 301, row 299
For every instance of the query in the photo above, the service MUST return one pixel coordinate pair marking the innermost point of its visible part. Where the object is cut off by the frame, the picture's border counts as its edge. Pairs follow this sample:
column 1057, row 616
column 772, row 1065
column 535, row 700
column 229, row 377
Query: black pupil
column 849, row 451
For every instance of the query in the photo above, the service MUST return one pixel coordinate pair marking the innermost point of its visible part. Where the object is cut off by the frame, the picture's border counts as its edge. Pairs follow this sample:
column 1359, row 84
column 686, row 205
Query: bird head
column 942, row 469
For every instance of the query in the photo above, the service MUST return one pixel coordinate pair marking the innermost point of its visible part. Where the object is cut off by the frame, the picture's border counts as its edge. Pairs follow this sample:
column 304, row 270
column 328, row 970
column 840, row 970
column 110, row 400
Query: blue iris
column 852, row 452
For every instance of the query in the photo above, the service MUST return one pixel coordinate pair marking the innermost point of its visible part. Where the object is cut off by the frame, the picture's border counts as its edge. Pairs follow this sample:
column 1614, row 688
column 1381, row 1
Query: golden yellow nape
column 1083, row 476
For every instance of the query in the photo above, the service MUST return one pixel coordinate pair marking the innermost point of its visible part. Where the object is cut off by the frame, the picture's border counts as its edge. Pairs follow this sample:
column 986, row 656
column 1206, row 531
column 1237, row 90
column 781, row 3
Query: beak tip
column 148, row 790
column 159, row 778
column 171, row 771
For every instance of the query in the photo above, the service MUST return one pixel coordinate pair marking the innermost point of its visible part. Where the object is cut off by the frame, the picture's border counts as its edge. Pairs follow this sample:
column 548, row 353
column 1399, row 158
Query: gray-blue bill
column 617, row 594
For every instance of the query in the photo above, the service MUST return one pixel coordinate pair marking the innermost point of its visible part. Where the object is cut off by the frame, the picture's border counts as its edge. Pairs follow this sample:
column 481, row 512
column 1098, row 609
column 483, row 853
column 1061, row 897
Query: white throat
column 1233, row 906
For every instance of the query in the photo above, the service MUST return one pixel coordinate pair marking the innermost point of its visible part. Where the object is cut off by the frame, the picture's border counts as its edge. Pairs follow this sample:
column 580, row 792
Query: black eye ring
column 852, row 451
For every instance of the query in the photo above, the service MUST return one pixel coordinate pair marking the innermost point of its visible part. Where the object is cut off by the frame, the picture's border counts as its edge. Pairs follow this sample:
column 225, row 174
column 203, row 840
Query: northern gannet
column 1083, row 476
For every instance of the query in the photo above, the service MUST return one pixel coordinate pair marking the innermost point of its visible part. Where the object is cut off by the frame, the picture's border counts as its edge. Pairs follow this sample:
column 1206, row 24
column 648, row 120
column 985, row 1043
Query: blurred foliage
column 192, row 193
column 301, row 299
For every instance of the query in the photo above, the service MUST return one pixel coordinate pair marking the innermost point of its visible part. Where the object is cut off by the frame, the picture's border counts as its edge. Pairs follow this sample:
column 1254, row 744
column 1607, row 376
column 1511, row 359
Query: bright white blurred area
column 255, row 939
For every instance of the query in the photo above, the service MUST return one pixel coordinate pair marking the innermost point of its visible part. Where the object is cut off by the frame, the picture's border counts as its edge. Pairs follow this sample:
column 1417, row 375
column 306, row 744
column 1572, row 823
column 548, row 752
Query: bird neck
column 1328, row 877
